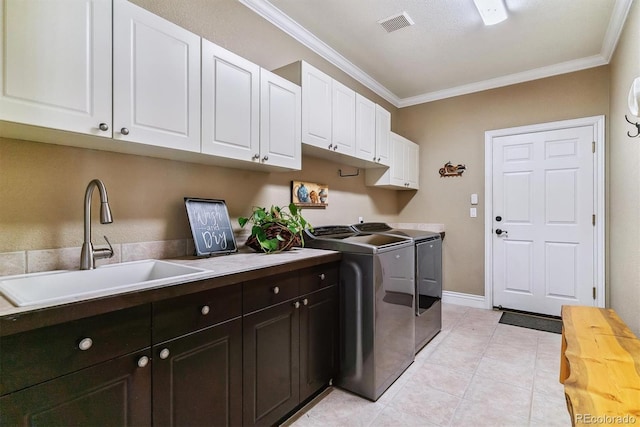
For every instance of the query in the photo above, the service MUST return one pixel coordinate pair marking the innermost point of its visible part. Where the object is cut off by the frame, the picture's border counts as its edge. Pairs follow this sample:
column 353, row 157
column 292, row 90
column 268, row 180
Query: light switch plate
column 474, row 199
column 473, row 212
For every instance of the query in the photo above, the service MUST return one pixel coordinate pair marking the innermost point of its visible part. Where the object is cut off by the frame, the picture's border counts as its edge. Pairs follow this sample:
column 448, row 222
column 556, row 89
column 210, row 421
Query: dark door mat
column 531, row 322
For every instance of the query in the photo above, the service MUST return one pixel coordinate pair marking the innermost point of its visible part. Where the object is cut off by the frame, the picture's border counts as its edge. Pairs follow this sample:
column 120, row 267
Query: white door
column 156, row 80
column 230, row 104
column 280, row 110
column 316, row 107
column 55, row 64
column 343, row 121
column 365, row 128
column 383, row 135
column 543, row 220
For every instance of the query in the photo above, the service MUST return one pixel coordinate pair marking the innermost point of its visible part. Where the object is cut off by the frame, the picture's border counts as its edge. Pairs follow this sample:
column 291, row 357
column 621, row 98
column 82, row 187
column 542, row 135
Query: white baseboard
column 457, row 298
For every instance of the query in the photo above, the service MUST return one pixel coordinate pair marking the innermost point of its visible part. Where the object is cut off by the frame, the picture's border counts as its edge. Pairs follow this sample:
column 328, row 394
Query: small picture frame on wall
column 309, row 194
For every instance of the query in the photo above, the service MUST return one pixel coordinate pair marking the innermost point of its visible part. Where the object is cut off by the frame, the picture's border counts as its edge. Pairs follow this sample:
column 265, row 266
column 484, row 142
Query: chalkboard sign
column 210, row 226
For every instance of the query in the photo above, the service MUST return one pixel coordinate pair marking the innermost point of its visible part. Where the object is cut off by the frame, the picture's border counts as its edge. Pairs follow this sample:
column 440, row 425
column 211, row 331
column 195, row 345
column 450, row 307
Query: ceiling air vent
column 395, row 22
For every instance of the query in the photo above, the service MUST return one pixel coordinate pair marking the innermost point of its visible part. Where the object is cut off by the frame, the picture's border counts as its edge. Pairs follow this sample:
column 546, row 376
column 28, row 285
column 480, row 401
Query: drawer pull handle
column 164, row 353
column 305, row 301
column 276, row 290
column 143, row 362
column 205, row 310
column 322, row 276
column 296, row 304
column 85, row 344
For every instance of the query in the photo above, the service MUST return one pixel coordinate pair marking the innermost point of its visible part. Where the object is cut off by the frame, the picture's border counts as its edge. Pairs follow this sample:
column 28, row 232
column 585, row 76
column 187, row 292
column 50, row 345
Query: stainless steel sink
column 66, row 286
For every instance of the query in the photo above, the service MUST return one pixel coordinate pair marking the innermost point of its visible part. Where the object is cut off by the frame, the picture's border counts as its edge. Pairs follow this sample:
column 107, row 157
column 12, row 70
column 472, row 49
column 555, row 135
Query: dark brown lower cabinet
column 289, row 354
column 318, row 340
column 113, row 393
column 197, row 378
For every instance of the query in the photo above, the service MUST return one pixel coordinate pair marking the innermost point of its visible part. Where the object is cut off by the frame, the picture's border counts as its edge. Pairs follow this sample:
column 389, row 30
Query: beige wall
column 453, row 130
column 624, row 183
column 42, row 194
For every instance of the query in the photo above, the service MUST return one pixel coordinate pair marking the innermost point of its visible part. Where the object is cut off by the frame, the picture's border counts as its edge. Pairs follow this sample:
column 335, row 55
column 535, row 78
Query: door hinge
column 593, row 219
column 593, row 147
column 594, row 292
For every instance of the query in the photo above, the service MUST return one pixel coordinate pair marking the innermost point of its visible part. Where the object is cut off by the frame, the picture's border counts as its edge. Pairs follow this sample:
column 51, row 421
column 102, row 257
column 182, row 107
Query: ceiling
column 448, row 51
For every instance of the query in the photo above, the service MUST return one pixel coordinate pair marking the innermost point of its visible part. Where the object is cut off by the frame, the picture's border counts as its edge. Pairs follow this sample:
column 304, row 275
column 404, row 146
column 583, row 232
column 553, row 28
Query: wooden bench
column 599, row 367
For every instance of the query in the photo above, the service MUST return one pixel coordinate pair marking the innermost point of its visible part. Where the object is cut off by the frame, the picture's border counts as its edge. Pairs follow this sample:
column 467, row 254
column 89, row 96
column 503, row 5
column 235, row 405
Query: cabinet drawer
column 179, row 316
column 32, row 357
column 319, row 277
column 261, row 293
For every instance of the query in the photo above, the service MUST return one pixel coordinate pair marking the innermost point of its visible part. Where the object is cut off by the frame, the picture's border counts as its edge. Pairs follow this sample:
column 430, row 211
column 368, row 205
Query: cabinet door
column 197, row 378
column 270, row 364
column 156, row 81
column 411, row 165
column 383, row 132
column 316, row 106
column 55, row 64
column 343, row 119
column 396, row 161
column 280, row 116
column 365, row 128
column 113, row 393
column 318, row 340
column 230, row 104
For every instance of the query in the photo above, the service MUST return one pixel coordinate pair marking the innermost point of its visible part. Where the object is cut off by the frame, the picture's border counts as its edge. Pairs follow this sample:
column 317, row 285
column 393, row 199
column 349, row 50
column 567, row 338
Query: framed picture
column 309, row 194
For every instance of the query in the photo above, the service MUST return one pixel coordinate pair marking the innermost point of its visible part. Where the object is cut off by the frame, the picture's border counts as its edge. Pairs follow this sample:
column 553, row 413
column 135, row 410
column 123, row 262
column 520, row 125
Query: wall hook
column 353, row 174
column 636, row 124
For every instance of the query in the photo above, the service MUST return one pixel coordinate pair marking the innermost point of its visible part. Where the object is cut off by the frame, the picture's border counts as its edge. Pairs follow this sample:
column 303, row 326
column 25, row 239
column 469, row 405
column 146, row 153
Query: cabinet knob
column 143, row 362
column 378, row 159
column 275, row 290
column 205, row 310
column 164, row 353
column 296, row 304
column 335, row 147
column 124, row 131
column 322, row 276
column 255, row 156
column 85, row 344
column 265, row 158
column 103, row 127
column 330, row 146
column 305, row 302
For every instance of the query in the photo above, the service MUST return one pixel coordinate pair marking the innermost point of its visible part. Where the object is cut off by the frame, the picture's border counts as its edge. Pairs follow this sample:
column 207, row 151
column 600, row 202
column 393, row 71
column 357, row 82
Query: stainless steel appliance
column 376, row 306
column 428, row 277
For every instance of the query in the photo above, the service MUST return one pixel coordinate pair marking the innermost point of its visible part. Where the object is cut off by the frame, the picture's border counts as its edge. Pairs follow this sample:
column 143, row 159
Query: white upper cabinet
column 230, row 104
column 383, row 132
column 156, row 80
column 365, row 128
column 403, row 170
column 343, row 119
column 280, row 122
column 316, row 107
column 55, row 64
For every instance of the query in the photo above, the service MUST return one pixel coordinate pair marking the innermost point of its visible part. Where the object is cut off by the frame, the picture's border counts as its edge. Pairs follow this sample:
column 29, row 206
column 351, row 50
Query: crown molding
column 302, row 35
column 614, row 30
column 525, row 76
column 274, row 15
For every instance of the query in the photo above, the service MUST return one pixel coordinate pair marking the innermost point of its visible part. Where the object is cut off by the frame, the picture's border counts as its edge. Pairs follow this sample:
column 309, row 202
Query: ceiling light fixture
column 491, row 11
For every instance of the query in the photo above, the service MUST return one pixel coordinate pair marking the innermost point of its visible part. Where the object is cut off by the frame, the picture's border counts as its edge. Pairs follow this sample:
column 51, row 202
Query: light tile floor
column 475, row 372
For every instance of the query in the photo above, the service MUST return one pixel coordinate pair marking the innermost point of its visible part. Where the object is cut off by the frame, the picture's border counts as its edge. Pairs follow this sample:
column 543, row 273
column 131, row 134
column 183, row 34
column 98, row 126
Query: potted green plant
column 276, row 229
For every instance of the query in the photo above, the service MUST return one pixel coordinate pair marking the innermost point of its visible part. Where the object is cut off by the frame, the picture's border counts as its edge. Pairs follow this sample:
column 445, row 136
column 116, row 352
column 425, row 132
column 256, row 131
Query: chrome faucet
column 89, row 255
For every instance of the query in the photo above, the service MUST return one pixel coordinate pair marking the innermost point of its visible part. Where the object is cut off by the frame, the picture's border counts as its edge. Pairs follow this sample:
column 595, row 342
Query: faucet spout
column 89, row 254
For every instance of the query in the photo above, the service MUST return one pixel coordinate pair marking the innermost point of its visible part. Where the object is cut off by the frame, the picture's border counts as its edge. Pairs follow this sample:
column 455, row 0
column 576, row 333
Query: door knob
column 499, row 231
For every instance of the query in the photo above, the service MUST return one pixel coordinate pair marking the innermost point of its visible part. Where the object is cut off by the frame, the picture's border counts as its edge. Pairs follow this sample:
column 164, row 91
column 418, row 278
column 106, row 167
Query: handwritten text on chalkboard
column 210, row 226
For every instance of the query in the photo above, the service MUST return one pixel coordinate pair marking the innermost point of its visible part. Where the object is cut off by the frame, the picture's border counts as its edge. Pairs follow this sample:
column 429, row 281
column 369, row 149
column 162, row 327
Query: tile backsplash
column 35, row 261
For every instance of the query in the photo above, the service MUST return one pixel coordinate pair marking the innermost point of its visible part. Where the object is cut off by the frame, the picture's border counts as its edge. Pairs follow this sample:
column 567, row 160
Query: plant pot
column 290, row 240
